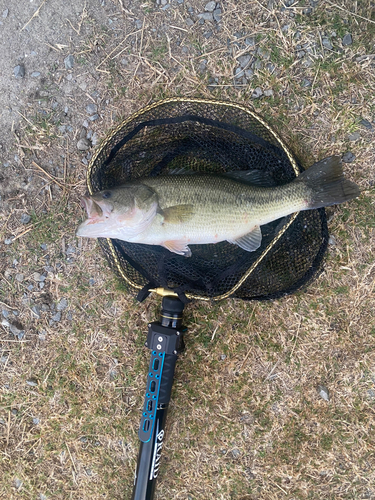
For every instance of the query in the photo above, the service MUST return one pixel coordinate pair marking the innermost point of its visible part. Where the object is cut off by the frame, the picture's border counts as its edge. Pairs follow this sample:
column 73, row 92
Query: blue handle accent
column 150, row 404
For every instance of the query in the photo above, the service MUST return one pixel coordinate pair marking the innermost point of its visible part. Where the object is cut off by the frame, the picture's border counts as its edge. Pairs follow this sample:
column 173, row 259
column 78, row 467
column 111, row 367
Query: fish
column 179, row 210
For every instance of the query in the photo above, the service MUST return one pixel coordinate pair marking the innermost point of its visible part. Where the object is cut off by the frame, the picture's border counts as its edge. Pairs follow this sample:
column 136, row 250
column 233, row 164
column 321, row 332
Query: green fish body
column 176, row 211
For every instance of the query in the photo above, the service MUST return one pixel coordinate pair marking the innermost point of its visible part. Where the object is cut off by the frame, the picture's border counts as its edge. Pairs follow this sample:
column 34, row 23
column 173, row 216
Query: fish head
column 121, row 212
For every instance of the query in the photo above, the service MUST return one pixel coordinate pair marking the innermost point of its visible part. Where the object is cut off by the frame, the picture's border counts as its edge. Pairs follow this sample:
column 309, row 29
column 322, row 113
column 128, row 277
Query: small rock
column 306, row 83
column 217, row 15
column 19, row 71
column 91, row 108
column 63, row 304
column 19, row 277
column 43, row 246
column 250, row 41
column 347, row 40
column 25, row 219
column 139, row 23
column 83, row 144
column 332, row 241
column 42, row 335
column 264, row 53
column 56, row 317
column 257, row 64
column 249, row 73
column 14, row 329
column 36, row 310
column 36, row 421
column 223, row 356
column 307, row 62
column 348, row 157
column 202, row 66
column 326, row 43
column 258, row 92
column 208, row 34
column 206, row 16
column 5, row 313
column 210, row 6
column 365, row 123
column 323, row 392
column 354, row 136
column 5, row 13
column 94, row 139
column 69, row 62
column 32, row 383
column 268, row 93
column 38, row 277
column 94, row 117
column 18, row 483
column 42, row 497
column 371, row 393
column 236, row 453
column 35, row 74
column 244, row 60
column 189, row 22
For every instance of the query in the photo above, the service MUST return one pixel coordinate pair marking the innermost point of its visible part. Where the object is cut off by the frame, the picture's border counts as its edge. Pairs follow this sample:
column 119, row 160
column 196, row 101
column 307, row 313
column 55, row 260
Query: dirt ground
column 248, row 419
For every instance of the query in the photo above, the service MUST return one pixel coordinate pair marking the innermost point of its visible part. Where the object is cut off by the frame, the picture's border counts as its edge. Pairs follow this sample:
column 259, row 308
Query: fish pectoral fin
column 250, row 241
column 178, row 247
column 178, row 213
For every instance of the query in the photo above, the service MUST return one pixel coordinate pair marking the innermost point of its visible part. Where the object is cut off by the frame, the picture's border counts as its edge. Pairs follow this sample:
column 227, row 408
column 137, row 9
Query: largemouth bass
column 176, row 211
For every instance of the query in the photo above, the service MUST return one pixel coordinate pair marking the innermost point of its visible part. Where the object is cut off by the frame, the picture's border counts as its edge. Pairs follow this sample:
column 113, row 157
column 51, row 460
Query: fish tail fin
column 327, row 184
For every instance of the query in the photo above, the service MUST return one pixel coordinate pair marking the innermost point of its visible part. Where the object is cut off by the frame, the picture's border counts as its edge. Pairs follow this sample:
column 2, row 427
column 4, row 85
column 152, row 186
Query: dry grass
column 246, row 421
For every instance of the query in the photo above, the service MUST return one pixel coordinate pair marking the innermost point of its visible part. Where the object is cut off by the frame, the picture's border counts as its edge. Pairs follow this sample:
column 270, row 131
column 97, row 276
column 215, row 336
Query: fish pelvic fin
column 178, row 247
column 326, row 183
column 177, row 214
column 251, row 241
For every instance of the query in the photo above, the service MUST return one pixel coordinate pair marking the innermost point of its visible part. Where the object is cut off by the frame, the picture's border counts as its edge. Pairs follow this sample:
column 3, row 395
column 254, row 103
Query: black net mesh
column 213, row 137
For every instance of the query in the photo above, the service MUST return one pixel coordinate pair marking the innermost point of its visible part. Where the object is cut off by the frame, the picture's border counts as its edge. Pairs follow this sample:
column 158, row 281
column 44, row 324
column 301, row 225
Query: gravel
column 244, row 60
column 25, row 219
column 83, row 144
column 91, row 108
column 250, row 41
column 258, row 92
column 210, row 6
column 348, row 157
column 354, row 136
column 69, row 62
column 347, row 40
column 206, row 16
column 217, row 15
column 323, row 392
column 327, row 44
column 56, row 317
column 19, row 71
column 365, row 123
column 63, row 304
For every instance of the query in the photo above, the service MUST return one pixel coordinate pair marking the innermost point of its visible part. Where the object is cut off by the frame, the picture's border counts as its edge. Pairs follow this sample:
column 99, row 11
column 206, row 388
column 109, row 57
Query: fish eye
column 106, row 194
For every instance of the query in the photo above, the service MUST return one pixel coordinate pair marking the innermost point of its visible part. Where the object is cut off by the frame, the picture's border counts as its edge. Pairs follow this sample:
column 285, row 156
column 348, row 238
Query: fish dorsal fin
column 254, row 177
column 178, row 213
column 178, row 247
column 251, row 241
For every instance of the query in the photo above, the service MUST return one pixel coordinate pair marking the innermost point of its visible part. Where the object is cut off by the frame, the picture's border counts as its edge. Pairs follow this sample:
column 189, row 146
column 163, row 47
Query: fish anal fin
column 178, row 213
column 178, row 247
column 250, row 241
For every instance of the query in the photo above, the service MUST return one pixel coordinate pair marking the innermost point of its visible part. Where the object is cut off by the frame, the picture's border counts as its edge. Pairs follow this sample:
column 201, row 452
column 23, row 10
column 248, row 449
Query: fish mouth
column 93, row 210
